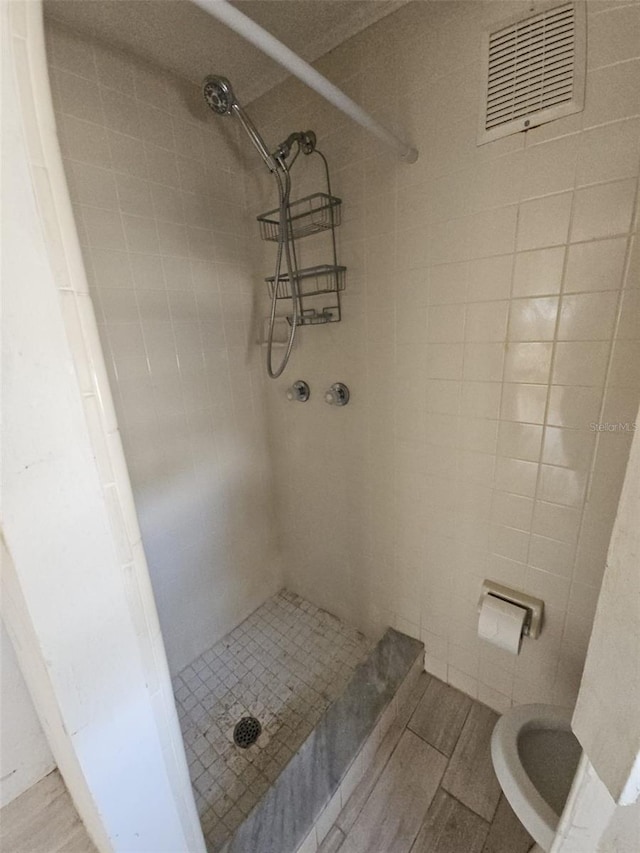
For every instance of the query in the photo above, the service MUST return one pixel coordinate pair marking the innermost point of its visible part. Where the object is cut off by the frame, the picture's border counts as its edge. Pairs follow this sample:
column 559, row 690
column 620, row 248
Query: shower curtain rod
column 254, row 33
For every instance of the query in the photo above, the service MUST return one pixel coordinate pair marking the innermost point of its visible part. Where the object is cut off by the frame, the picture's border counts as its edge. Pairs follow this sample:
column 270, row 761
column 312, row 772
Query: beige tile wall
column 158, row 194
column 491, row 316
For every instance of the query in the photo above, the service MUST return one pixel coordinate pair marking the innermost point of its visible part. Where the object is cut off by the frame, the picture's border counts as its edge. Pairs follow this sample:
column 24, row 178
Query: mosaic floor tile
column 285, row 665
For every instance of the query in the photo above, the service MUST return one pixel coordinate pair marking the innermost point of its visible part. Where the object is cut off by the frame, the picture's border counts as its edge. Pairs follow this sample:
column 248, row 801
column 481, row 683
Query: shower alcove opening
column 158, row 189
column 507, row 302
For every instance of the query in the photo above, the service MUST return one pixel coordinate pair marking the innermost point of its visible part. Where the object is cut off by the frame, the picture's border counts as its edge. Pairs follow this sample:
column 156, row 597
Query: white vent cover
column 534, row 70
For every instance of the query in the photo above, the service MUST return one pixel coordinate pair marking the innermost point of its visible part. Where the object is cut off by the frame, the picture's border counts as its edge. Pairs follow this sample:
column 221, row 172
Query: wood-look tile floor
column 44, row 820
column 431, row 787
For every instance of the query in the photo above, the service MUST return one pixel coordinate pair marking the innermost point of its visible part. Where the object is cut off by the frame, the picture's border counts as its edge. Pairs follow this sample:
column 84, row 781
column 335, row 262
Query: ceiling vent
column 534, row 70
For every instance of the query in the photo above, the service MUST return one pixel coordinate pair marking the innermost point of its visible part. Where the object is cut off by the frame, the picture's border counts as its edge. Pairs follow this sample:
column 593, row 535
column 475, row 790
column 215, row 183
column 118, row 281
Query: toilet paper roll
column 501, row 623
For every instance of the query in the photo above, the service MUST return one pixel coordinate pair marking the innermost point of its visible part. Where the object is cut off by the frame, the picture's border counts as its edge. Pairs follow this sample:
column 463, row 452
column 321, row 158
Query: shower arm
column 258, row 36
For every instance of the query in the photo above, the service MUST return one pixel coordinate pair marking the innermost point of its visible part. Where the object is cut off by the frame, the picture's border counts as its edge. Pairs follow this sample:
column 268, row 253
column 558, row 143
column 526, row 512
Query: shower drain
column 246, row 732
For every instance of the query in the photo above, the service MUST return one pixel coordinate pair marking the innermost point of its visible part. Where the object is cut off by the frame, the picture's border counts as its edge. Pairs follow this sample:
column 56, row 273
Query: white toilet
column 535, row 755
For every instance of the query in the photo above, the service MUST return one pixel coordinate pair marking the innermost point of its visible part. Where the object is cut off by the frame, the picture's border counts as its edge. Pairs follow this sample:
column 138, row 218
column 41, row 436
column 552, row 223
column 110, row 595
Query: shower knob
column 337, row 395
column 299, row 391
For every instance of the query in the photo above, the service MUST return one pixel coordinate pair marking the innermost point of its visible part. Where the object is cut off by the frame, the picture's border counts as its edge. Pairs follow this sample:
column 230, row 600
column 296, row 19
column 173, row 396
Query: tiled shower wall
column 491, row 316
column 158, row 195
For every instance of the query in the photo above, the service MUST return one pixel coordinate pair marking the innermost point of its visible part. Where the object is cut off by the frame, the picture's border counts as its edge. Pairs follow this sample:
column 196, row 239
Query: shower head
column 218, row 94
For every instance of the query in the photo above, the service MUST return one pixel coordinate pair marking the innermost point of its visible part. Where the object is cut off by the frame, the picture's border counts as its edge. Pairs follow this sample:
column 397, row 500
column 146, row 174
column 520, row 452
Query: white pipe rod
column 254, row 33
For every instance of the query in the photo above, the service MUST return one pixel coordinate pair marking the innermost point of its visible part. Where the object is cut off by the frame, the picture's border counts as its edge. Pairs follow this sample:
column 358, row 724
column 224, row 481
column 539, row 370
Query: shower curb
column 301, row 806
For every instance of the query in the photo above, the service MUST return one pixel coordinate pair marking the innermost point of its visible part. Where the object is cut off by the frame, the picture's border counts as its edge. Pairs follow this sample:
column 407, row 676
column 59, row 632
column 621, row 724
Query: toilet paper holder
column 533, row 606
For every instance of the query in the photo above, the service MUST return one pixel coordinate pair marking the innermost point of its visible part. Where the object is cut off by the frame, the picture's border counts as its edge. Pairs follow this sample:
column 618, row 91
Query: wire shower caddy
column 313, row 214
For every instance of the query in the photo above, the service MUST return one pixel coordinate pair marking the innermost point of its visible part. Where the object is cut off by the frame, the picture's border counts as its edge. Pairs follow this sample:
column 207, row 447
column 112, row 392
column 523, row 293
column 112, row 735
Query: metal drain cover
column 247, row 732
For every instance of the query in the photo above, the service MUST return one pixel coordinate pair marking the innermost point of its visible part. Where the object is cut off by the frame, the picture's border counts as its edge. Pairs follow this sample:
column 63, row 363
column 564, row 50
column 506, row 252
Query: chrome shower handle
column 337, row 395
column 299, row 391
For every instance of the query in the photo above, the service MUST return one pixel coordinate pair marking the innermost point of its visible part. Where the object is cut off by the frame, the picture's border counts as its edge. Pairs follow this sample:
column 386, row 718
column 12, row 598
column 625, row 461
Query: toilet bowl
column 535, row 755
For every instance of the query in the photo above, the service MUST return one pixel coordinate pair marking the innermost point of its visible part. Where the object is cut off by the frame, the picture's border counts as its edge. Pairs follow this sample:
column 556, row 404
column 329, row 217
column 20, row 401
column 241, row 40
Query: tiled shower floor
column 285, row 664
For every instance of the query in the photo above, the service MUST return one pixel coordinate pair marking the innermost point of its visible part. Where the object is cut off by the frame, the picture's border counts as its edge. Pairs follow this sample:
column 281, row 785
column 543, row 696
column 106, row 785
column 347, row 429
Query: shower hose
column 285, row 240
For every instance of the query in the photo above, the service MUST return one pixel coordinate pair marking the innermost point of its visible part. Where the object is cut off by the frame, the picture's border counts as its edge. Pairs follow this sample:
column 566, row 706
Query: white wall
column 76, row 598
column 491, row 315
column 592, row 822
column 25, row 756
column 623, row 833
column 603, row 810
column 610, row 688
column 156, row 182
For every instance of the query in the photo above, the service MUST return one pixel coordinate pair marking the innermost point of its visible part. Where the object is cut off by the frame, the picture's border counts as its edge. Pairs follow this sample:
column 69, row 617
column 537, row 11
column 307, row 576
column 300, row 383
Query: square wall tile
column 551, row 588
column 448, row 283
column 478, row 435
column 443, row 396
column 486, row 321
column 147, row 271
column 580, row 363
column 539, row 272
column 550, row 166
column 520, row 441
column 512, row 510
column 480, row 399
column 444, row 361
column 115, row 69
column 134, row 195
column 562, row 485
column 104, row 228
column 522, row 402
column 119, row 305
column 612, row 93
column 595, row 266
column 79, row 97
column 528, row 362
column 510, row 543
column 533, row 319
column 625, row 365
column 70, row 52
column 84, row 141
column 128, row 155
column 491, row 232
column 489, row 278
column 445, row 323
column 141, row 234
column 573, row 406
column 544, row 222
column 571, row 448
column 111, row 268
column 603, row 210
column 614, row 36
column 483, row 362
column 587, row 316
column 120, row 112
column 517, row 476
column 609, row 152
column 93, row 185
column 556, row 522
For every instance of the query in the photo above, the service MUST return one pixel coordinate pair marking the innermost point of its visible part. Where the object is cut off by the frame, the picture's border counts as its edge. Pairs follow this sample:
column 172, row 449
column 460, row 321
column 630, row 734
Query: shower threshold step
column 301, row 805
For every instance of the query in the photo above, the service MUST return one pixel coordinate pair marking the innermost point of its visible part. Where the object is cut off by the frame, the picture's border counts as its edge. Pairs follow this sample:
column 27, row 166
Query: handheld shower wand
column 219, row 96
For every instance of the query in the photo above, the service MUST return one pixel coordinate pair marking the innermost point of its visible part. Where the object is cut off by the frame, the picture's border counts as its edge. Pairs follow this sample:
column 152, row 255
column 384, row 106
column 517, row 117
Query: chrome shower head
column 218, row 94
